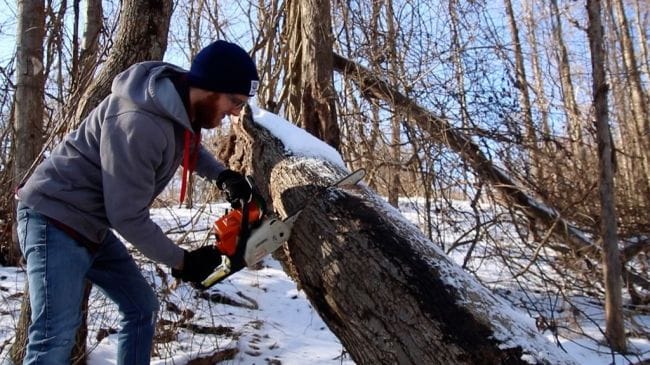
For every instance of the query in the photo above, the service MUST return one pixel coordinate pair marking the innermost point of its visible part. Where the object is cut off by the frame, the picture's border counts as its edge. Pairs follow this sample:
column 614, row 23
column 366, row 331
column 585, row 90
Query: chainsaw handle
column 251, row 183
column 236, row 261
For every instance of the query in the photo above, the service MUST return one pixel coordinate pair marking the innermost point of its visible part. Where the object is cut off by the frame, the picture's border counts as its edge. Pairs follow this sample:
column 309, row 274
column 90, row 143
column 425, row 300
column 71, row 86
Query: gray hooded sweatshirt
column 106, row 174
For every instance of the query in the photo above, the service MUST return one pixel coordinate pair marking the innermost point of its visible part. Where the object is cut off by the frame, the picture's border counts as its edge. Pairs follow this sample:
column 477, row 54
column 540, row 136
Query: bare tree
column 642, row 33
column 438, row 129
column 270, row 17
column 574, row 119
column 30, row 83
column 638, row 101
column 521, row 83
column 85, row 61
column 394, row 61
column 443, row 108
column 28, row 122
column 312, row 102
column 612, row 265
column 542, row 101
column 142, row 35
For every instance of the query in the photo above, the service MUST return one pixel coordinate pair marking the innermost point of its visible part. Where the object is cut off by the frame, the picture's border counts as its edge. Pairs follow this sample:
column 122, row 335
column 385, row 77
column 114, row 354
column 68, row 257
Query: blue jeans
column 57, row 267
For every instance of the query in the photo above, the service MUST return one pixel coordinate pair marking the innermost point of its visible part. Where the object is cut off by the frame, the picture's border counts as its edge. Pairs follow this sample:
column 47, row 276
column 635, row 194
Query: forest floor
column 261, row 317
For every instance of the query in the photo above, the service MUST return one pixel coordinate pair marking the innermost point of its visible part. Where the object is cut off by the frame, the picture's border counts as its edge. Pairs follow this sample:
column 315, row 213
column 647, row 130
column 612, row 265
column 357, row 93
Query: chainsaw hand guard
column 235, row 186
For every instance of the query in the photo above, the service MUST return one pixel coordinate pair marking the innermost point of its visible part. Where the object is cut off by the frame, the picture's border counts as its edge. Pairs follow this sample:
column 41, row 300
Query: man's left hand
column 235, row 187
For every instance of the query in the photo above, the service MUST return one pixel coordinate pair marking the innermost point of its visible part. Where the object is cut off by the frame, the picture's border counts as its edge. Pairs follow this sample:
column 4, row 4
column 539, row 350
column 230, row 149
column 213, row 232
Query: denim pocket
column 31, row 229
column 22, row 218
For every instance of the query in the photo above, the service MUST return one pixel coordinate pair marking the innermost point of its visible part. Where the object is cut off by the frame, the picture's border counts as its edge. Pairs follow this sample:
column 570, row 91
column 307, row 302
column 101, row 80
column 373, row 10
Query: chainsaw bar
column 268, row 237
column 274, row 232
column 348, row 180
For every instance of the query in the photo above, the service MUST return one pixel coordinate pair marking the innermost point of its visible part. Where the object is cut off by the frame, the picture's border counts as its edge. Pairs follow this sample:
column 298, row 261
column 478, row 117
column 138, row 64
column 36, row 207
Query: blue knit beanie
column 224, row 67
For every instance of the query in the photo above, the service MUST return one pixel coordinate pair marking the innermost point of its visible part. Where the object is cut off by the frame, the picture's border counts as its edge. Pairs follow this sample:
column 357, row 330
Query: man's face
column 209, row 108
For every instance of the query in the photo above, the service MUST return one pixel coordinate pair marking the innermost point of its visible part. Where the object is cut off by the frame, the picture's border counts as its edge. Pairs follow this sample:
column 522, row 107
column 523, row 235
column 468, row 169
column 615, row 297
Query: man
column 104, row 176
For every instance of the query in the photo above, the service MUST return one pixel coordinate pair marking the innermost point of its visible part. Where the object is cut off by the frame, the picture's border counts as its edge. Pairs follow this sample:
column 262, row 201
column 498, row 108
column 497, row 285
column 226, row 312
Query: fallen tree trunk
column 387, row 292
column 441, row 131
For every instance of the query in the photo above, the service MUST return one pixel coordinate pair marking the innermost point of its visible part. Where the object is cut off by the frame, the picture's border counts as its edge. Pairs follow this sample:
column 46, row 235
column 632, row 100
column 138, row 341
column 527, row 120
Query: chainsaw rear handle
column 231, row 261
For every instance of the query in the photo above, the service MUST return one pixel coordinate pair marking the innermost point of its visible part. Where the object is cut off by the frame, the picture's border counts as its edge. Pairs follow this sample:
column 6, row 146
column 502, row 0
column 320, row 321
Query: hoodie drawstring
column 190, row 156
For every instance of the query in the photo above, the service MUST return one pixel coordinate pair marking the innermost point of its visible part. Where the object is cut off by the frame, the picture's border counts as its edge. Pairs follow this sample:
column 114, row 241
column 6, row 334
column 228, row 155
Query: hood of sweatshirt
column 148, row 87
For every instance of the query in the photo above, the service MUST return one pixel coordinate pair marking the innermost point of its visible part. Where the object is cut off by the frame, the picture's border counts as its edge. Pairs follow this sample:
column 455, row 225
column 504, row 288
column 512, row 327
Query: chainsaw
column 245, row 235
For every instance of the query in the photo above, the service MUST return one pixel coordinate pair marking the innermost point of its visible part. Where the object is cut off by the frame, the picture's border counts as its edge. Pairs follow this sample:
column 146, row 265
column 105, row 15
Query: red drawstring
column 190, row 156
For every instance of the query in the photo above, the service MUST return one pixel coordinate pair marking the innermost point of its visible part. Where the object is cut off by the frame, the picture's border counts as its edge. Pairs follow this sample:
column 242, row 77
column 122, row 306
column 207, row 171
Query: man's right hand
column 198, row 264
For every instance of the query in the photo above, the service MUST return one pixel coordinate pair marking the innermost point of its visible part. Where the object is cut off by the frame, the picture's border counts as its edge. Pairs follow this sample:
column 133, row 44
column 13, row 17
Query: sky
column 7, row 31
column 262, row 314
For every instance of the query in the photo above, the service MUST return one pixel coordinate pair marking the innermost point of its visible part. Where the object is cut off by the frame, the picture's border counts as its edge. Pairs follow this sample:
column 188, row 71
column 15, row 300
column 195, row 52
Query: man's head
column 226, row 77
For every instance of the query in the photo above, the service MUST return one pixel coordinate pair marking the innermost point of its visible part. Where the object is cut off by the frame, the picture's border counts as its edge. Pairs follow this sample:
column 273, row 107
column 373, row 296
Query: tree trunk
column 28, row 140
column 142, row 36
column 574, row 124
column 630, row 178
column 615, row 330
column 642, row 32
column 542, row 103
column 30, row 83
column 522, row 84
column 293, row 69
column 85, row 65
column 313, row 91
column 638, row 98
column 388, row 293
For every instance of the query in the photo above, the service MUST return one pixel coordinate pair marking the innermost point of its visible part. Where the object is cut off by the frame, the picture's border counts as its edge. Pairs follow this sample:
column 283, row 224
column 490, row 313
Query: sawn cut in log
column 384, row 290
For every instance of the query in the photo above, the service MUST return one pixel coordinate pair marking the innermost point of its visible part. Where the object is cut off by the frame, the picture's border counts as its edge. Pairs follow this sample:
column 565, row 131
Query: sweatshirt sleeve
column 207, row 166
column 132, row 148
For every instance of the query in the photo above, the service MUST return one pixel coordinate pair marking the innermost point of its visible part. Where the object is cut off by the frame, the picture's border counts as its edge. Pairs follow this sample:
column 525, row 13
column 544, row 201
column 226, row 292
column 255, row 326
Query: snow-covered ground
column 262, row 314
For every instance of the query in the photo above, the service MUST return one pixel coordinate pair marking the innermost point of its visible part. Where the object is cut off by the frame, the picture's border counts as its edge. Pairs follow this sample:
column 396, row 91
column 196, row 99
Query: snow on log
column 382, row 287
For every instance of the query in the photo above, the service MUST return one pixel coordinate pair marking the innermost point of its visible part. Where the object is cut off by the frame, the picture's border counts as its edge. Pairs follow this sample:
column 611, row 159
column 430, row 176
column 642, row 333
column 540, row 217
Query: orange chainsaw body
column 227, row 228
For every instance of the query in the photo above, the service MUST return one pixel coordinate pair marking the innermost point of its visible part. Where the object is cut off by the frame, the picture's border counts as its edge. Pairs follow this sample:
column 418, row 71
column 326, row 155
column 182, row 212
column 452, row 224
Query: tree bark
column 85, row 65
column 638, row 99
column 389, row 294
column 394, row 61
column 574, row 124
column 142, row 36
column 312, row 100
column 30, row 83
column 28, row 122
column 524, row 99
column 630, row 179
column 546, row 148
column 615, row 330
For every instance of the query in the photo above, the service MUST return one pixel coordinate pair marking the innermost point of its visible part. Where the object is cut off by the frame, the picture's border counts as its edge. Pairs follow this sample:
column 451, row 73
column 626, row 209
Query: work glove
column 235, row 187
column 198, row 264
